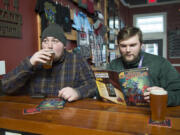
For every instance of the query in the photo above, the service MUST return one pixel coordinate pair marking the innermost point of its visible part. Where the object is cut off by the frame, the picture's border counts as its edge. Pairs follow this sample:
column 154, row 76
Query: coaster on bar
column 165, row 123
column 31, row 111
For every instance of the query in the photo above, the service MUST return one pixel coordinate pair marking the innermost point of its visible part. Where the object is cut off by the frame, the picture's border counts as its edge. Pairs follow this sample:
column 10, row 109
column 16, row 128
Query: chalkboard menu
column 174, row 43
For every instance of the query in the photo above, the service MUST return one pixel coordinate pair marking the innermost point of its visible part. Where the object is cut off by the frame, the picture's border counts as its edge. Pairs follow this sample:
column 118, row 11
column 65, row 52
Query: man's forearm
column 88, row 89
column 15, row 79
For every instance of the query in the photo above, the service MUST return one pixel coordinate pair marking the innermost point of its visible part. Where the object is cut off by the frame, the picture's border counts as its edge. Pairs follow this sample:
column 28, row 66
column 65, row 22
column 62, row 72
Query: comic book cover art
column 51, row 104
column 133, row 84
column 125, row 87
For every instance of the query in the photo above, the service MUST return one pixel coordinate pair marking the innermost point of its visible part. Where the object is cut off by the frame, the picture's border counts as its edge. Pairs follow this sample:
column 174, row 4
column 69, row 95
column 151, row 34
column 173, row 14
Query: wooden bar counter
column 84, row 117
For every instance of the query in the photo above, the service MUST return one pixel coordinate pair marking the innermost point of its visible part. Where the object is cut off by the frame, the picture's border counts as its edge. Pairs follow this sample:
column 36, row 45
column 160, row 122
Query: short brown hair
column 128, row 32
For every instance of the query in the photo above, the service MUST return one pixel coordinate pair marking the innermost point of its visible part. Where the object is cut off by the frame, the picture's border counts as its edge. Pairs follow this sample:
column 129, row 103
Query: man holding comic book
column 70, row 76
column 163, row 75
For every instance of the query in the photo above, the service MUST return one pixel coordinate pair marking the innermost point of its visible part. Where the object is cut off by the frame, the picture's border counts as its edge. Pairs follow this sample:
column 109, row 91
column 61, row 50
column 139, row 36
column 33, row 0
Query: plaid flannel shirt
column 70, row 71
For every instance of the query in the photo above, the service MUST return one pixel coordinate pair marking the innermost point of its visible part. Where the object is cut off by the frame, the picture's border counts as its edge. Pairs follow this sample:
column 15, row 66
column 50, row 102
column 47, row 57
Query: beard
column 130, row 57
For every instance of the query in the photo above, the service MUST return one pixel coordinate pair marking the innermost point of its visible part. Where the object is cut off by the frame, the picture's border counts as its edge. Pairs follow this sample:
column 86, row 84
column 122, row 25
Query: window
column 150, row 48
column 154, row 29
column 150, row 23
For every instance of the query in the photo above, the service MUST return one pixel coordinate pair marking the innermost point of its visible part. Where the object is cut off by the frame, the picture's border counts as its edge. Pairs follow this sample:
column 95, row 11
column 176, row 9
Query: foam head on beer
column 159, row 92
column 158, row 104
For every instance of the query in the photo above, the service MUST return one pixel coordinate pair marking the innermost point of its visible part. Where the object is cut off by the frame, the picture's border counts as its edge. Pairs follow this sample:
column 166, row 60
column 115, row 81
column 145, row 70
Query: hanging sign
column 10, row 22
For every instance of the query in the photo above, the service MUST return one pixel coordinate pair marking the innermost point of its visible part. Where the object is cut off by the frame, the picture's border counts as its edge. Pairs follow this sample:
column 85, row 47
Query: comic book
column 47, row 104
column 51, row 104
column 125, row 87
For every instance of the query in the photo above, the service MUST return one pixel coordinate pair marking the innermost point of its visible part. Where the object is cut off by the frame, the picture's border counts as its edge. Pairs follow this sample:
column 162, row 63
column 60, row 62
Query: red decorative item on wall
column 151, row 1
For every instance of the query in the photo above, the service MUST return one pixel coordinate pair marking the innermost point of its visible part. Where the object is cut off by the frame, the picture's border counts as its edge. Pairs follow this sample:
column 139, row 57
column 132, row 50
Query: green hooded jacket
column 161, row 72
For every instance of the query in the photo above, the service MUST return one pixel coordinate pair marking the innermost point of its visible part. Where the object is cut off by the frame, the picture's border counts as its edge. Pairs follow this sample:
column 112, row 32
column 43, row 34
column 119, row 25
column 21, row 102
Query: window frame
column 155, row 35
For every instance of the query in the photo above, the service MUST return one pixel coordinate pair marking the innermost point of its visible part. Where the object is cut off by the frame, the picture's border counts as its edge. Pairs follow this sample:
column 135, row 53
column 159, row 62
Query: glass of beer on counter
column 48, row 65
column 158, row 105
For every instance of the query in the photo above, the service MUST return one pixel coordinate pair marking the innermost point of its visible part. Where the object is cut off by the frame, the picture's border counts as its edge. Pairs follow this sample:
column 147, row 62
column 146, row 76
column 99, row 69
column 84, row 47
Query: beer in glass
column 48, row 65
column 158, row 104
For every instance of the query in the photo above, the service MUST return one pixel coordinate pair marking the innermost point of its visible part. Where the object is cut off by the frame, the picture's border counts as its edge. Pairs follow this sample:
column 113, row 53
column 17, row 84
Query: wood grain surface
column 87, row 117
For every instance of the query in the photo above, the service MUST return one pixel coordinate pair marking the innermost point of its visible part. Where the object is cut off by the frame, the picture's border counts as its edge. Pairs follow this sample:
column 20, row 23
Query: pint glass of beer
column 48, row 65
column 158, row 104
